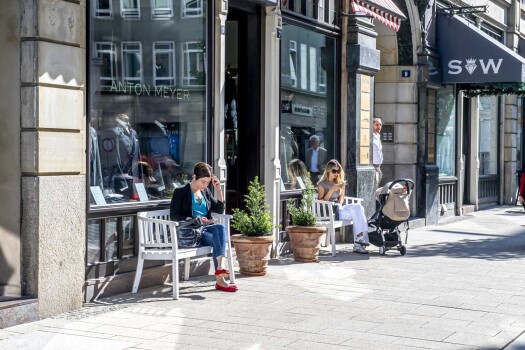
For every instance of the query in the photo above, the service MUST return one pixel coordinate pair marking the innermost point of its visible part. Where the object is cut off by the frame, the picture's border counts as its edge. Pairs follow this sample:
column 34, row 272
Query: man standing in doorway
column 315, row 159
column 377, row 159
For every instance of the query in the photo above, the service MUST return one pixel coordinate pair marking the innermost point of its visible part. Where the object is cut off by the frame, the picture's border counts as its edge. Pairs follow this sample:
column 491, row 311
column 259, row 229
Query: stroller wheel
column 403, row 250
column 382, row 250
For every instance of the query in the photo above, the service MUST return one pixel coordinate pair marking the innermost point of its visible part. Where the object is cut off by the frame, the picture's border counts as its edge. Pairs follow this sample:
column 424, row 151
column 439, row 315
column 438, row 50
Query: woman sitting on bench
column 195, row 199
column 331, row 187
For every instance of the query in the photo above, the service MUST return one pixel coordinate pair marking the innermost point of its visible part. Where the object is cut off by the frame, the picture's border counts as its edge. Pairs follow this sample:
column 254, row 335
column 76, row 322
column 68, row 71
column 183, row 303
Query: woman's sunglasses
column 334, row 171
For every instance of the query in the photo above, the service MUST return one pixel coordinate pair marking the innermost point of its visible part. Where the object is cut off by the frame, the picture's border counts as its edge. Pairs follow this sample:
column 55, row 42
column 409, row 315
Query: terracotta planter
column 252, row 253
column 306, row 242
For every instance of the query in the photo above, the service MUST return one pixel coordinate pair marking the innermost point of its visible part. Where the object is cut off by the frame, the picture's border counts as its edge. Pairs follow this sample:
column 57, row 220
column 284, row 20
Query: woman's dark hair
column 201, row 170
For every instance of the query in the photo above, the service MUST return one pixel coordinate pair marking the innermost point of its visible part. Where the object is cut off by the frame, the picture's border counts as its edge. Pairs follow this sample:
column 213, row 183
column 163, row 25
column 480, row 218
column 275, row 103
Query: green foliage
column 301, row 212
column 256, row 219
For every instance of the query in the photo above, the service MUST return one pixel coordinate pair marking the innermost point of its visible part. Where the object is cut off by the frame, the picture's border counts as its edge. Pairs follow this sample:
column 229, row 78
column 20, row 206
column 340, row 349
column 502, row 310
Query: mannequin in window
column 94, row 158
column 120, row 150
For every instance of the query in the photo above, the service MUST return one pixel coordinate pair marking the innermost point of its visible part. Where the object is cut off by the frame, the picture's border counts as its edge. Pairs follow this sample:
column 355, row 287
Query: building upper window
column 164, row 65
column 130, row 9
column 192, row 8
column 132, row 61
column 103, row 9
column 161, row 8
column 321, row 11
column 324, row 11
column 192, row 64
column 293, row 63
column 313, row 69
column 106, row 54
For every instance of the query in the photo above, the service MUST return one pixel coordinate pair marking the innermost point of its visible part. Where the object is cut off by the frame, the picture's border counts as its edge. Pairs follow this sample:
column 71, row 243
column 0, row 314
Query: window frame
column 186, row 52
column 113, row 59
column 190, row 12
column 97, row 11
column 172, row 64
column 293, row 62
column 125, row 78
column 130, row 13
column 168, row 10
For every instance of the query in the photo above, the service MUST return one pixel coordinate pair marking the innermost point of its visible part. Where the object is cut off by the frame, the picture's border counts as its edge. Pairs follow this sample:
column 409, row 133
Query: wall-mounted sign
column 405, row 73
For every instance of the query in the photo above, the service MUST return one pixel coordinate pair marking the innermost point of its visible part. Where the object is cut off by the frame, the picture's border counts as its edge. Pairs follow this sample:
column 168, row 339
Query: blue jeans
column 215, row 236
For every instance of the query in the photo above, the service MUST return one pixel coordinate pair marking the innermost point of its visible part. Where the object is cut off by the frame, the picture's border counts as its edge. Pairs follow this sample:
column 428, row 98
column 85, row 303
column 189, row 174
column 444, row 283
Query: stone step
column 17, row 310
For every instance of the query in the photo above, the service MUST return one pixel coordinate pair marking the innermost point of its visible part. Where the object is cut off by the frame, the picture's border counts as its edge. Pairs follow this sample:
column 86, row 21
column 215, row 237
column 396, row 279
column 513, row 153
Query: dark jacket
column 182, row 206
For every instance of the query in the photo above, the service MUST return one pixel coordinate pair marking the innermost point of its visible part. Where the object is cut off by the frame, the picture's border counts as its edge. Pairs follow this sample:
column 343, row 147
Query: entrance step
column 467, row 209
column 17, row 310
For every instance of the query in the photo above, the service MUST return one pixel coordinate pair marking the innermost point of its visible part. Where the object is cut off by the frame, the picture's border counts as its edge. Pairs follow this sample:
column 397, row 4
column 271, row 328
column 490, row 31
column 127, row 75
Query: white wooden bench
column 158, row 241
column 324, row 211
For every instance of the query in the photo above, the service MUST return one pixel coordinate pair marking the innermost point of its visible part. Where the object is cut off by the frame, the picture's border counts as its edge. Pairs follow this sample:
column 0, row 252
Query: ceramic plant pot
column 306, row 242
column 252, row 253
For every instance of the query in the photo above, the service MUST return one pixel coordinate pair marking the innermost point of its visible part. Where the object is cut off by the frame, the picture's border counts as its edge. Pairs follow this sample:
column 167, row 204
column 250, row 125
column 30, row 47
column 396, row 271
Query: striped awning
column 384, row 11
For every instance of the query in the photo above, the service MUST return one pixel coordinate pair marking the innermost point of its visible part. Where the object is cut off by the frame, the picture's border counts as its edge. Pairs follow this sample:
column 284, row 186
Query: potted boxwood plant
column 255, row 224
column 305, row 235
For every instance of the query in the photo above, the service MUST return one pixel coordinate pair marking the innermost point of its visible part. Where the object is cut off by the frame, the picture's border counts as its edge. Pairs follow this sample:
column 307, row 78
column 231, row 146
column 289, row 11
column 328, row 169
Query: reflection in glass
column 147, row 96
column 111, row 239
column 307, row 96
column 488, row 135
column 128, row 241
column 446, row 131
column 93, row 241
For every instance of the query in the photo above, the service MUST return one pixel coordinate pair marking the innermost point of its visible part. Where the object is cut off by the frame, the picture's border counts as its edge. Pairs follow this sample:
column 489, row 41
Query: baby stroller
column 394, row 209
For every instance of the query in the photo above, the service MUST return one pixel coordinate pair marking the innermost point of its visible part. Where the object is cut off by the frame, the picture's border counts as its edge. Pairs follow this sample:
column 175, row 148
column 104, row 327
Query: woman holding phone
column 195, row 199
column 331, row 187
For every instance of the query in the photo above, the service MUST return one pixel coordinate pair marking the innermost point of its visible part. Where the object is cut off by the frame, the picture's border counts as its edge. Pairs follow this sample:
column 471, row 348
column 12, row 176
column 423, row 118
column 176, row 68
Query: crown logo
column 471, row 65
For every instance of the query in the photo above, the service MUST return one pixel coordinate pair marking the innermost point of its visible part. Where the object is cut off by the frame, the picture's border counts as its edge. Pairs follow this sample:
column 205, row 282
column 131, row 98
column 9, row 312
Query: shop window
column 164, row 65
column 161, row 8
column 446, row 131
column 308, row 108
column 106, row 54
column 193, row 64
column 192, row 8
column 488, row 135
column 130, row 9
column 146, row 128
column 103, row 9
column 293, row 63
column 132, row 62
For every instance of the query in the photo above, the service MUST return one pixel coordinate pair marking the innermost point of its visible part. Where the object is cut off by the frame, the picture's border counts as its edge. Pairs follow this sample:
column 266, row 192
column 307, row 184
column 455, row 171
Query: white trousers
column 355, row 212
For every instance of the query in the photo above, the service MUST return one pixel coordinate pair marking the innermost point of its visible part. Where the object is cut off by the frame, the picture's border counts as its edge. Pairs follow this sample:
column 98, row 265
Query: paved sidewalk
column 460, row 286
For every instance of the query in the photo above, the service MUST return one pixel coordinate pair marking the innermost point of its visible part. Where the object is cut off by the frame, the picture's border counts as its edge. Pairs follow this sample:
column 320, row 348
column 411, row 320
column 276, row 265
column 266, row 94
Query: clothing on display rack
column 94, row 158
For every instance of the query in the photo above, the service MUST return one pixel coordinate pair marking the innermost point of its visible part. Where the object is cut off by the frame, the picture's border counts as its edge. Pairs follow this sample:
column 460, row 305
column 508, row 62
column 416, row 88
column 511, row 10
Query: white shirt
column 378, row 150
column 314, row 166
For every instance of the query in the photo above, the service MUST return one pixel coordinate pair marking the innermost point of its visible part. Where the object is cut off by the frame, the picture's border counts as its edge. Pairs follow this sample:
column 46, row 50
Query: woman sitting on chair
column 331, row 187
column 195, row 199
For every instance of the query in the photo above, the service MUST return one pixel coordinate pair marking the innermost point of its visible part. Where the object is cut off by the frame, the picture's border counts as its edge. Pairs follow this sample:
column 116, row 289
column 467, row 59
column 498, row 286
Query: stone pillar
column 10, row 145
column 474, row 151
column 362, row 63
column 427, row 178
column 219, row 59
column 272, row 26
column 510, row 139
column 53, row 153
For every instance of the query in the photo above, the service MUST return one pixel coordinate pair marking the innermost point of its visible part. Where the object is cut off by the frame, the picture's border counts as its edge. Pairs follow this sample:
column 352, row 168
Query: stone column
column 362, row 63
column 10, row 155
column 53, row 153
column 510, row 138
column 272, row 26
column 219, row 59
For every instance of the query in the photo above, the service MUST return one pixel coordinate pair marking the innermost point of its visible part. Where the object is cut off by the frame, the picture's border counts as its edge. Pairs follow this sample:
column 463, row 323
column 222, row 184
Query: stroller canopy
column 395, row 201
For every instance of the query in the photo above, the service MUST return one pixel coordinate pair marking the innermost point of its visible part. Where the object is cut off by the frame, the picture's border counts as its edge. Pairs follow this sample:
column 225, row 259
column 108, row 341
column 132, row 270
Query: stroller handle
column 409, row 184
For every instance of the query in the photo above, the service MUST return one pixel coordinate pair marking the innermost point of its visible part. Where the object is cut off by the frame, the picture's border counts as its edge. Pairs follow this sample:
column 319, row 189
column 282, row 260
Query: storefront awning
column 385, row 11
column 468, row 55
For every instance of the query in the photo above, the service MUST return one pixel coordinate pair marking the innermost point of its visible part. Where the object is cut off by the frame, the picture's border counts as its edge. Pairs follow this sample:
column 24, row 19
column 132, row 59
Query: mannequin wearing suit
column 316, row 158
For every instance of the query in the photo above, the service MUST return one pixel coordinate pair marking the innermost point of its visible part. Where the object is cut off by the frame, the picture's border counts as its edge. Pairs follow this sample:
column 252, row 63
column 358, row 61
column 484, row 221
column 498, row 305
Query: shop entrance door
column 242, row 99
